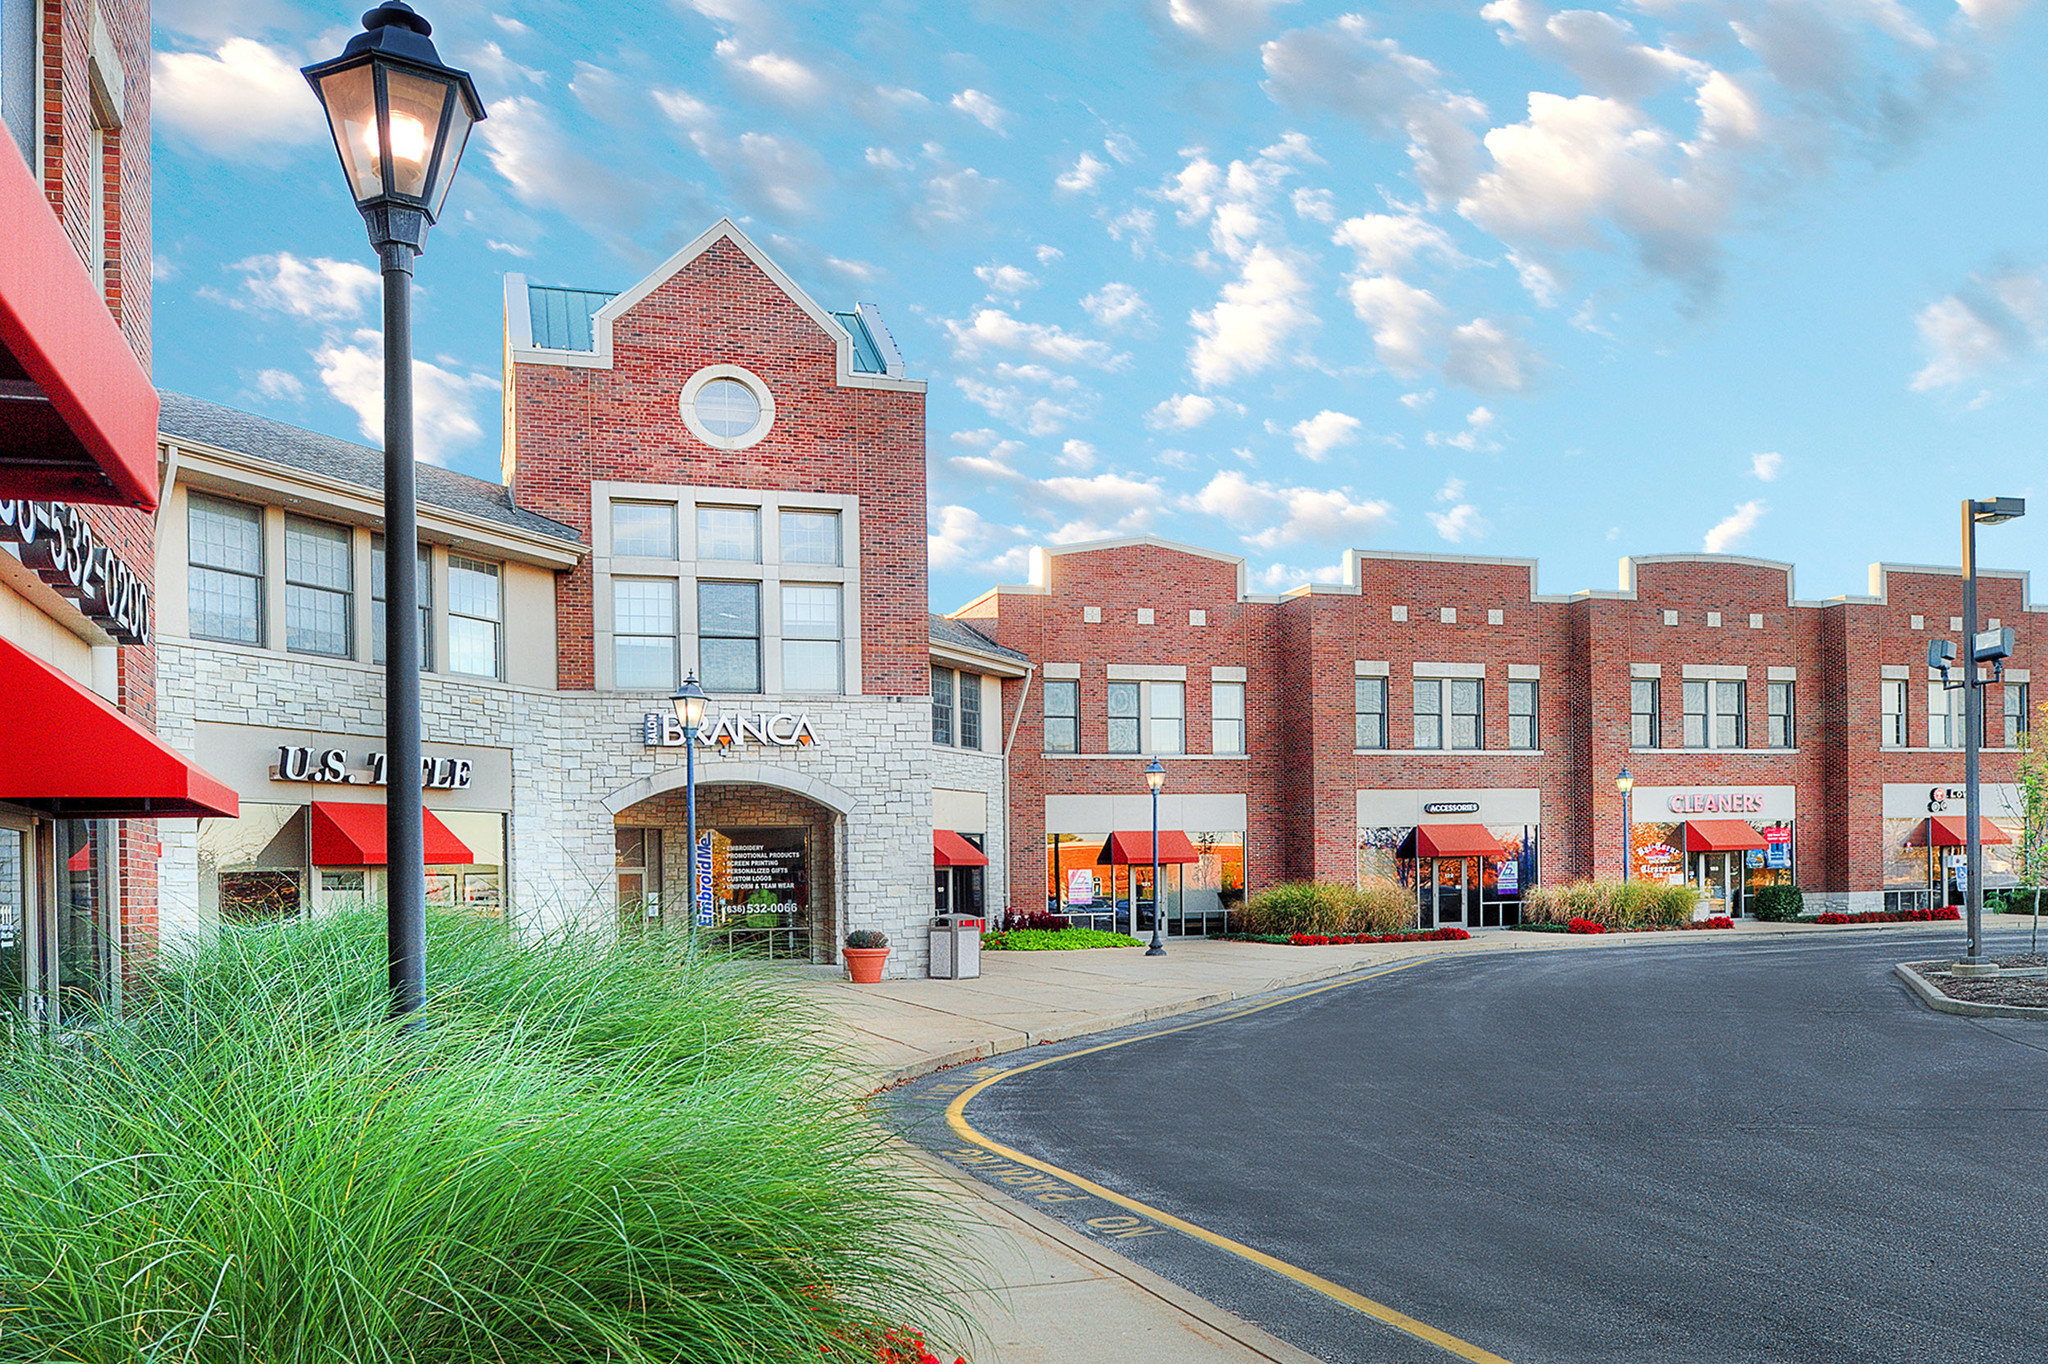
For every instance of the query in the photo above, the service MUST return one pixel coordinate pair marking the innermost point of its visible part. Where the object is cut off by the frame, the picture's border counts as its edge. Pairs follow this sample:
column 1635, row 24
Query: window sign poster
column 1778, row 857
column 1510, row 882
column 1080, row 887
column 759, row 877
column 1753, row 859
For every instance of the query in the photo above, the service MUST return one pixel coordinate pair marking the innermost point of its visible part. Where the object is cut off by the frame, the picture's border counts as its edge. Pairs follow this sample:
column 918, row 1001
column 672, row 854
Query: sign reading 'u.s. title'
column 782, row 729
column 58, row 542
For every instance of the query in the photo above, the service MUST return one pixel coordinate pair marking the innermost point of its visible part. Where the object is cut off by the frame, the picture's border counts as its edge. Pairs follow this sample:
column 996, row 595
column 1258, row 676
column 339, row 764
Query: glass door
column 638, row 868
column 1720, row 878
column 17, row 893
column 1457, row 891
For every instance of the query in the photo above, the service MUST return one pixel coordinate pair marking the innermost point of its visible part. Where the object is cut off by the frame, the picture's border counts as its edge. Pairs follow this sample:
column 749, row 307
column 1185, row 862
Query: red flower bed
column 1585, row 926
column 1946, row 914
column 1348, row 939
column 905, row 1346
column 1717, row 921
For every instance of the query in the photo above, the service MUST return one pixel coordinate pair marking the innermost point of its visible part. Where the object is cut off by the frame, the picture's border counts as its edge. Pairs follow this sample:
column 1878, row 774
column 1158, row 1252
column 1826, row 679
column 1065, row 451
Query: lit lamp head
column 390, row 91
column 689, row 702
column 1155, row 776
column 1625, row 783
column 1993, row 510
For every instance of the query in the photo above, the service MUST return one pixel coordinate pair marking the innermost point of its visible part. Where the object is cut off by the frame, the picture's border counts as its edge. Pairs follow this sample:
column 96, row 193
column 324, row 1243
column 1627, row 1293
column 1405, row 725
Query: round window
column 728, row 408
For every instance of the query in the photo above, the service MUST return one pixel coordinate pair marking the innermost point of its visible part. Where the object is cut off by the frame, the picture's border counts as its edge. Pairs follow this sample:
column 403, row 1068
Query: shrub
column 867, row 938
column 1058, row 940
column 1038, row 921
column 1611, row 904
column 1378, row 905
column 581, row 1149
column 1777, row 904
column 1347, row 939
column 1944, row 914
column 1585, row 926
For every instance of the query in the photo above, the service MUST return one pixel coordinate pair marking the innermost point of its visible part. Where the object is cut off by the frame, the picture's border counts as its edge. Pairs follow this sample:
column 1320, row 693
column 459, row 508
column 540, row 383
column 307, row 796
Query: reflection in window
column 729, row 636
column 730, row 533
column 1063, row 717
column 810, row 637
column 644, row 633
column 644, row 530
column 1123, row 717
column 810, row 537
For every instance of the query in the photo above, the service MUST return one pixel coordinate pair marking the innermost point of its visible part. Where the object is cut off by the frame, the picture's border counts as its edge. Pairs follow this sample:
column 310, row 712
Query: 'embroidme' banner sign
column 57, row 541
column 780, row 730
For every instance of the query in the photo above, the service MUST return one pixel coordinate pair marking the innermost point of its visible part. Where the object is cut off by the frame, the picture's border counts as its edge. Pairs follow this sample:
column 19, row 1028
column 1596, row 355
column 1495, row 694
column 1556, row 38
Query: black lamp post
column 400, row 119
column 689, row 702
column 1977, row 649
column 1155, row 777
column 1626, row 783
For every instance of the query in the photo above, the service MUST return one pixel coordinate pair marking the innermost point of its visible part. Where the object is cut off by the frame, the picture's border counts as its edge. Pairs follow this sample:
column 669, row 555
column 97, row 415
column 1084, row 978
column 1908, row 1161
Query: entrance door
column 17, row 893
column 639, row 876
column 1722, row 881
column 1457, row 891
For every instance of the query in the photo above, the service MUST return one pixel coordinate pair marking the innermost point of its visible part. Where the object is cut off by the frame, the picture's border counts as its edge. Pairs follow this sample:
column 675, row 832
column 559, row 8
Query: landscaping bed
column 1594, row 926
column 1945, row 914
column 1053, row 940
column 1348, row 939
column 2023, row 993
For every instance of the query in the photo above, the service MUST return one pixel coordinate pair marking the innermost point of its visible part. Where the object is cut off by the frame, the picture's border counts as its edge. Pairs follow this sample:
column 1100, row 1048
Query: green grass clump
column 583, row 1151
column 1054, row 940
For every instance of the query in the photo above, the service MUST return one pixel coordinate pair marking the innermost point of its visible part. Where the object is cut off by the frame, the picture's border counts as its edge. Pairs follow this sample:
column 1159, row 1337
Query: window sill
column 1136, row 757
column 1449, row 752
column 1744, row 752
column 1886, row 748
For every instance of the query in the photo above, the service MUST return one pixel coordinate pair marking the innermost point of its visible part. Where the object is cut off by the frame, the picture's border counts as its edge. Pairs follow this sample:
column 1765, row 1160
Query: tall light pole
column 689, row 702
column 1626, row 783
column 1989, row 512
column 400, row 118
column 1155, row 777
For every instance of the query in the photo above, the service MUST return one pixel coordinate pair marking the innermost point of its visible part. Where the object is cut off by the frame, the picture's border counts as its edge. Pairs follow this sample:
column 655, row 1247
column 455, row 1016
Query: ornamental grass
column 1378, row 904
column 583, row 1150
column 1611, row 904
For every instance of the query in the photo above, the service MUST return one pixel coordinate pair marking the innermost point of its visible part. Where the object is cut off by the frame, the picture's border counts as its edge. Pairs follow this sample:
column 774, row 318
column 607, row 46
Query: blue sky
column 1286, row 278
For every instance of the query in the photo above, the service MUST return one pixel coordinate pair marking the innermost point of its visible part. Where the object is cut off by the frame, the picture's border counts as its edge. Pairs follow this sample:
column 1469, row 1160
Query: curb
column 1935, row 999
column 1258, row 1341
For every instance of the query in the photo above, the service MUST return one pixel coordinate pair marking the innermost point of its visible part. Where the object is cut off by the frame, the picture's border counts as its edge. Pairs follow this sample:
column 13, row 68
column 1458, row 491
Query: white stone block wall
column 957, row 769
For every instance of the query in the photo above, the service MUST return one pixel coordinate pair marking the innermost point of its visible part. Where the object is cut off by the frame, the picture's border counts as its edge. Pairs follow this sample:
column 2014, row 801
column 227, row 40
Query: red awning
column 77, row 412
column 1721, row 835
column 1953, row 831
column 1451, row 840
column 71, row 754
column 351, row 834
column 1135, row 849
column 951, row 850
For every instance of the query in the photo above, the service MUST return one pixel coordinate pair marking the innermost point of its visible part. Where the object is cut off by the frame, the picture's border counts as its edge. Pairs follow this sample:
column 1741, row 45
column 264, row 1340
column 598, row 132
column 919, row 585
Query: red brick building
column 1436, row 719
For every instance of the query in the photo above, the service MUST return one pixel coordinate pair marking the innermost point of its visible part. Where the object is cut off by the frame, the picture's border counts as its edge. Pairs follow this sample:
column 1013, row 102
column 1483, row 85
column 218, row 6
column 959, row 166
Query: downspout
column 1023, row 699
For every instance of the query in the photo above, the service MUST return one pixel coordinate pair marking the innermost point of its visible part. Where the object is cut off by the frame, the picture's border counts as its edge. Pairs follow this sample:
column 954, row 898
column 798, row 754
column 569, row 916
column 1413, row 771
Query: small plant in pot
column 865, row 951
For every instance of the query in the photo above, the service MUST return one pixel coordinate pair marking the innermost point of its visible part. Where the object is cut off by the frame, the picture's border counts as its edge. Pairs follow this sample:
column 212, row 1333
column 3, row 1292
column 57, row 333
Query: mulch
column 2027, row 994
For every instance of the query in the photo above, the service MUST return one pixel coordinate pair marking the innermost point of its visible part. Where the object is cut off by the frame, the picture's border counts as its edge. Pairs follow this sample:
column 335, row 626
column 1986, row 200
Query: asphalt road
column 1697, row 1153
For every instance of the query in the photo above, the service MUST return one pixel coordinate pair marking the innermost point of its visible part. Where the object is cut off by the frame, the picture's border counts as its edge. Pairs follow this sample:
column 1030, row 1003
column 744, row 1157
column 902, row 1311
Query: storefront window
column 14, row 916
column 253, row 869
column 477, row 886
column 1198, row 897
column 85, row 925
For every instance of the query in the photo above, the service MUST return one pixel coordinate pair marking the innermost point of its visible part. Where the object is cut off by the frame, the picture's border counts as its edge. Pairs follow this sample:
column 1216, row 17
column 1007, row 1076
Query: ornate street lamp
column 690, row 701
column 400, row 119
column 1626, row 783
column 1155, row 777
column 1989, row 646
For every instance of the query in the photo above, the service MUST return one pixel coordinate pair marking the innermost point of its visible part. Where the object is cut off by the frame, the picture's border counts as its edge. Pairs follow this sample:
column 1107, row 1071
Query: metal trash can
column 956, row 947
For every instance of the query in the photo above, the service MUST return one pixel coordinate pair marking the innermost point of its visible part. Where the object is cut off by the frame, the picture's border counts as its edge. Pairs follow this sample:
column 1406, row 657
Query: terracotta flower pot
column 864, row 964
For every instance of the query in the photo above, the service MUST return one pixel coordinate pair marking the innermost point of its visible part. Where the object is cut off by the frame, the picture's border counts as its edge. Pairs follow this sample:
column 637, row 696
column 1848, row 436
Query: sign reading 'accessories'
column 1451, row 807
column 58, row 542
column 780, row 730
column 1716, row 803
column 297, row 763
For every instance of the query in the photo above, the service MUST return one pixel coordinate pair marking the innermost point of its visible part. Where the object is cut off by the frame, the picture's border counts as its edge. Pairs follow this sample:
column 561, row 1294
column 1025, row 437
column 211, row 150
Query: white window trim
column 687, row 569
column 1144, row 686
column 687, row 402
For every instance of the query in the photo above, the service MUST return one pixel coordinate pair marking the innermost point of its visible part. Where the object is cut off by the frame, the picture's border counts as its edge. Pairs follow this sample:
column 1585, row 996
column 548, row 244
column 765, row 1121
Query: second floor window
column 1713, row 714
column 731, row 533
column 1944, row 716
column 1783, row 733
column 644, row 530
column 2015, row 713
column 1063, row 717
column 319, row 571
column 1370, row 700
column 644, row 633
column 1123, row 717
column 942, row 705
column 1168, row 727
column 811, row 654
column 475, row 617
column 1891, row 698
column 1447, row 713
column 224, row 591
column 1226, row 717
column 1643, row 729
column 1522, row 714
column 810, row 537
column 423, row 586
column 729, row 636
column 970, row 710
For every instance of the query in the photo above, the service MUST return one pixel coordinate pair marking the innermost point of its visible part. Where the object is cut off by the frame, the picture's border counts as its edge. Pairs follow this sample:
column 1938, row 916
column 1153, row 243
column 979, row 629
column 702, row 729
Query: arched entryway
column 769, row 855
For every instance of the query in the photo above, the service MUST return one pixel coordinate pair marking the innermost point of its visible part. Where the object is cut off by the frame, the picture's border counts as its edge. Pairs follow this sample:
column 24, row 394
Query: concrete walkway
column 1056, row 1297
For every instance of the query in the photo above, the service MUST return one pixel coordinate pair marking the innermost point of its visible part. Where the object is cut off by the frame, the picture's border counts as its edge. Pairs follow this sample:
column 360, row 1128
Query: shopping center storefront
column 1465, row 856
column 1926, row 834
column 1099, row 856
column 1725, row 841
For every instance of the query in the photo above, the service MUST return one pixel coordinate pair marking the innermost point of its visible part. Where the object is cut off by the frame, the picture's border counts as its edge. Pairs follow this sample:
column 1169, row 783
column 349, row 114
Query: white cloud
column 1767, row 466
column 1315, row 205
column 1601, row 50
column 322, row 289
column 1117, row 306
column 1477, row 422
column 1087, row 172
column 783, row 78
column 1040, row 415
column 1220, row 21
column 1077, row 455
column 548, row 169
column 1182, row 412
column 954, row 198
column 1729, row 533
column 444, row 402
column 1273, row 515
column 490, row 60
column 995, row 329
column 1284, row 577
column 1483, row 355
column 982, row 109
column 1253, row 319
column 957, row 536
column 242, row 97
column 1315, row 437
column 1123, row 147
column 1006, row 279
column 1388, row 243
column 1462, row 522
column 1991, row 321
column 280, row 385
column 1048, row 254
column 1405, row 320
column 857, row 271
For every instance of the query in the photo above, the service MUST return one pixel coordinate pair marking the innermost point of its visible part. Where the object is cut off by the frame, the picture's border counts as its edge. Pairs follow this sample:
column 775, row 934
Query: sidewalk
column 1055, row 1296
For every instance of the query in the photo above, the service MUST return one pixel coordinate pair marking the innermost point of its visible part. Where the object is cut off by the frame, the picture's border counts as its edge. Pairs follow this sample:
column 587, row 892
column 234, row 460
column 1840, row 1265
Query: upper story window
column 729, row 533
column 1891, row 699
column 970, row 710
column 729, row 636
column 1784, row 732
column 1522, row 729
column 1063, row 717
column 1644, row 731
column 727, row 407
column 1944, row 716
column 644, row 530
column 956, row 708
column 1713, row 714
column 224, row 585
column 1370, row 701
column 319, row 571
column 942, row 706
column 1167, row 720
column 810, row 537
column 1447, row 712
column 1123, row 717
column 2016, row 722
column 644, row 641
column 423, row 586
column 475, row 618
column 1226, row 717
column 811, row 637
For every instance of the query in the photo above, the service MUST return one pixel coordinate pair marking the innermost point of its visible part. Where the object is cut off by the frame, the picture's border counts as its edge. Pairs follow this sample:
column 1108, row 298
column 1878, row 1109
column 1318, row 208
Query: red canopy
column 1953, row 831
column 351, row 834
column 951, row 850
column 76, row 756
column 1135, row 849
column 1721, row 835
column 1451, row 840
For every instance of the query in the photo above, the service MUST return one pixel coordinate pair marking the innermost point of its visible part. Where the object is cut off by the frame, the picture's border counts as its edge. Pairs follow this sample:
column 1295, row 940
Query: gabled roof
column 525, row 341
column 958, row 637
column 184, row 417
